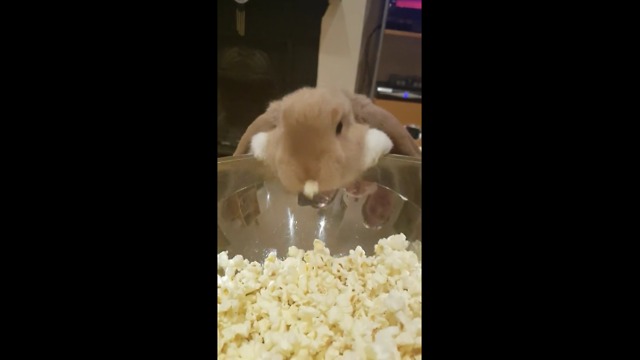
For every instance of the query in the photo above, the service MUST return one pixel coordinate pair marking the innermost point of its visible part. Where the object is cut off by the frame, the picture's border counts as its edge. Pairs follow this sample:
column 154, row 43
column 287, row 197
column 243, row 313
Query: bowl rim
column 393, row 157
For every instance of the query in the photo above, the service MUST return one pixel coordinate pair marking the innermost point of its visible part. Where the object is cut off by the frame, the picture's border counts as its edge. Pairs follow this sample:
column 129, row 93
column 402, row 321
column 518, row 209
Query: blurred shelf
column 403, row 33
column 409, row 113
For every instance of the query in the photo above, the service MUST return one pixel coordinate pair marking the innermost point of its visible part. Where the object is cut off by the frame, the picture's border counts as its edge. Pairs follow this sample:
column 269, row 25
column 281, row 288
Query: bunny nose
column 310, row 189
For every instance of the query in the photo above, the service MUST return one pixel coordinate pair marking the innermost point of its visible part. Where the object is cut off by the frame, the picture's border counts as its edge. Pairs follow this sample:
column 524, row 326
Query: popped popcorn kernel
column 312, row 305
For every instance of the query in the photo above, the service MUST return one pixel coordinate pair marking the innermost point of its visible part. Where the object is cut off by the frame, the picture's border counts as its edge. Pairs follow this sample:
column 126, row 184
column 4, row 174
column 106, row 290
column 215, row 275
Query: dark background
column 114, row 187
column 287, row 30
column 277, row 55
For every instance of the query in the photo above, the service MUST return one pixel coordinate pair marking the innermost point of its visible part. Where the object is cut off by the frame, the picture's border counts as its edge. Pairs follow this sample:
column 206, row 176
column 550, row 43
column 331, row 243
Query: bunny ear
column 376, row 117
column 262, row 123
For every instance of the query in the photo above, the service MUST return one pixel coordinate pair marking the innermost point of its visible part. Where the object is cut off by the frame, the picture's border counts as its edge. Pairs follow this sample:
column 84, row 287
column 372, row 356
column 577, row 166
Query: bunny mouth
column 319, row 201
column 311, row 190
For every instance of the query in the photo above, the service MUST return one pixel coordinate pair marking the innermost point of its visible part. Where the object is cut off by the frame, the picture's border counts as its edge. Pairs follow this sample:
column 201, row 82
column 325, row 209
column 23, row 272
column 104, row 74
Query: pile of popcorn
column 315, row 306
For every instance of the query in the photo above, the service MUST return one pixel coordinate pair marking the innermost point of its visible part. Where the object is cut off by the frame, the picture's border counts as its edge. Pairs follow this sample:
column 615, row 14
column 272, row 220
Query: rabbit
column 320, row 139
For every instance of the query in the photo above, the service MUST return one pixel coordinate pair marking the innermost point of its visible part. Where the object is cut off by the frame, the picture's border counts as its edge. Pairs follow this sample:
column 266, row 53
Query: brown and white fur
column 318, row 139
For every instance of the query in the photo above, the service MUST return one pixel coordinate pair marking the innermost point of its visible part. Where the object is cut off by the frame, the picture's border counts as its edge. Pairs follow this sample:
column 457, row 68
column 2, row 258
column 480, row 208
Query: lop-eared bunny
column 318, row 139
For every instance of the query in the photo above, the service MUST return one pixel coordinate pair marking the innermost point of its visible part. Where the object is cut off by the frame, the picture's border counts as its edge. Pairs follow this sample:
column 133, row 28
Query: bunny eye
column 339, row 128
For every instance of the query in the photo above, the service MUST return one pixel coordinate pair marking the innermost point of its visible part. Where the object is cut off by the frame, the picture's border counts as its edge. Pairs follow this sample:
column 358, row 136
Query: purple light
column 405, row 95
column 409, row 4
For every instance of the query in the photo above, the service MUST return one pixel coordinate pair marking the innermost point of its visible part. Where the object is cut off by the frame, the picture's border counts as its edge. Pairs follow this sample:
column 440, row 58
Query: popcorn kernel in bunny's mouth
column 319, row 201
column 310, row 188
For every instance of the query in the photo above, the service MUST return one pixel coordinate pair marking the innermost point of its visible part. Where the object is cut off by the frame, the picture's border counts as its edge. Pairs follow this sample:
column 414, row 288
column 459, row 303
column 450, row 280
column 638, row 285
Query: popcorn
column 315, row 306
